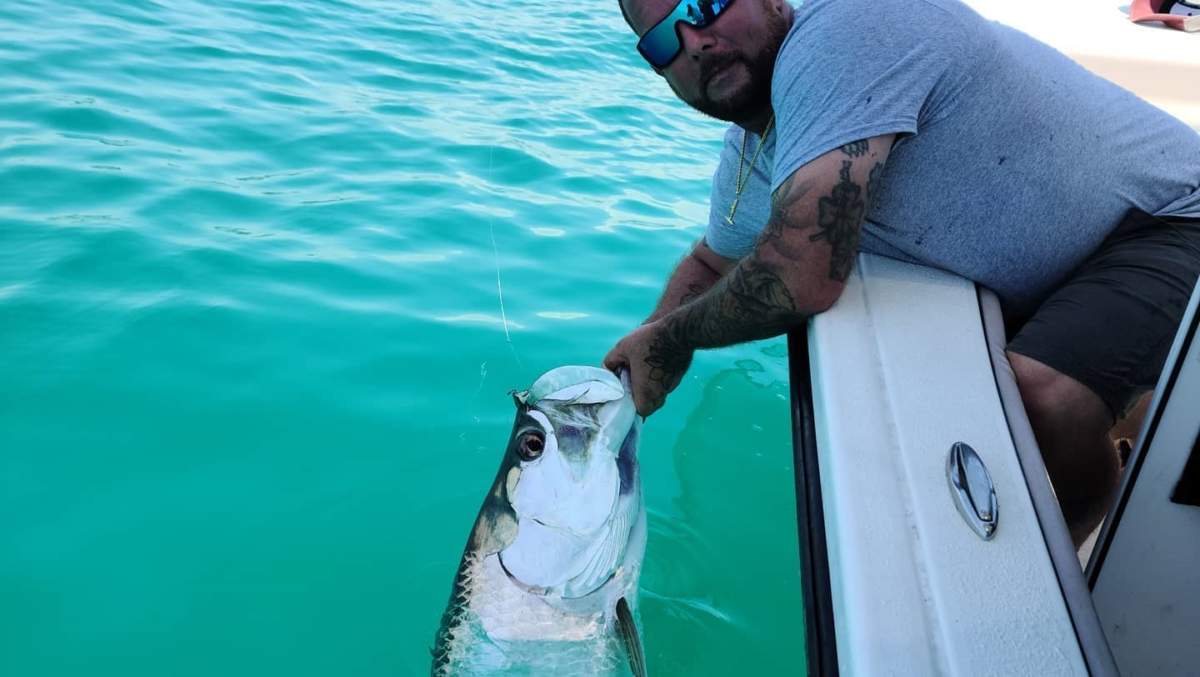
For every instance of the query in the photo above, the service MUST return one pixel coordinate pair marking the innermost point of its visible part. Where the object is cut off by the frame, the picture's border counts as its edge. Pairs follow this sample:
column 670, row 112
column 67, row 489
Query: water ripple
column 248, row 248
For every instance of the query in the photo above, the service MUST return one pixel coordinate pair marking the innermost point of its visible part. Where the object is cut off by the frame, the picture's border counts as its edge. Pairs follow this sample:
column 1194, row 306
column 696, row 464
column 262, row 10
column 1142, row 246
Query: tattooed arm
column 798, row 268
column 695, row 274
column 802, row 259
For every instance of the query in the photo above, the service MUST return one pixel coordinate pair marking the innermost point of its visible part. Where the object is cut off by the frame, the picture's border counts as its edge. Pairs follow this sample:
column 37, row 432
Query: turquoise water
column 253, row 355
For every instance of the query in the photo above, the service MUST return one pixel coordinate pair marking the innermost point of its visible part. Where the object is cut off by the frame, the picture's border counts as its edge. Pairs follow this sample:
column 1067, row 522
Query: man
column 917, row 130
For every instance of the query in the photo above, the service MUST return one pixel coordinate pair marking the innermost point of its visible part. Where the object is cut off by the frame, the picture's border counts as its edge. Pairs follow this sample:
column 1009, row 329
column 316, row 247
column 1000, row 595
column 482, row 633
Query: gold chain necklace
column 740, row 183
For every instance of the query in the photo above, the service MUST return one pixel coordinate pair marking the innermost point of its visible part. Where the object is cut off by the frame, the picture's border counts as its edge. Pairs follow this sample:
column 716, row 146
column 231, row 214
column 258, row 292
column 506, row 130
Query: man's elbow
column 806, row 271
column 714, row 262
column 815, row 295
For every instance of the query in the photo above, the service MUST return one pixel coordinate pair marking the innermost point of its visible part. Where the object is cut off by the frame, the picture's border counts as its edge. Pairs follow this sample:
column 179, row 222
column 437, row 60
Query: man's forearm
column 692, row 277
column 751, row 302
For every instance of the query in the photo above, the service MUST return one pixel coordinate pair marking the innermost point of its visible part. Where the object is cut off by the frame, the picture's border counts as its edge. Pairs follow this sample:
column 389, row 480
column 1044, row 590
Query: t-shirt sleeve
column 852, row 69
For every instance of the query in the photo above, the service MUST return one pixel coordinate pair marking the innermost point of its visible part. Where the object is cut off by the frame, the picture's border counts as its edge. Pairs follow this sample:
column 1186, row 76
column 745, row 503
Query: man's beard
column 752, row 98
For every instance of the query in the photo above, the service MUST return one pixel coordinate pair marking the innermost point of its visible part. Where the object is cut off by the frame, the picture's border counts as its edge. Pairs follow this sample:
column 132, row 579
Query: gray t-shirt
column 1012, row 163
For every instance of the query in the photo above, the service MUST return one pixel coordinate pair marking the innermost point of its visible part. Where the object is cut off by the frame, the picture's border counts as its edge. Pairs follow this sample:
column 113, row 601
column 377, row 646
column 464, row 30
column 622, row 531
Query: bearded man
column 916, row 129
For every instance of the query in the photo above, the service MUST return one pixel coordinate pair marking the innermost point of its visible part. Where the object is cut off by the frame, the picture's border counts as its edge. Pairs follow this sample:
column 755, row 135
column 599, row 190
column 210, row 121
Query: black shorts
column 1111, row 324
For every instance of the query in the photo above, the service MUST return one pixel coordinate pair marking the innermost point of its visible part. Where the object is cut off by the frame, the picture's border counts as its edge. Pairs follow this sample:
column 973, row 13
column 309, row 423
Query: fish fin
column 628, row 632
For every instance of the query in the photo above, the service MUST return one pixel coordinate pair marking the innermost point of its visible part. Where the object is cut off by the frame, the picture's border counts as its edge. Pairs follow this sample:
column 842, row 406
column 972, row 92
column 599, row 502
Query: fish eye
column 531, row 445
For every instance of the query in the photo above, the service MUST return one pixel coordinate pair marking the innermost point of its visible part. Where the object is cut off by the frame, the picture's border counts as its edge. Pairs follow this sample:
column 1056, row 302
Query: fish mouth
column 574, row 385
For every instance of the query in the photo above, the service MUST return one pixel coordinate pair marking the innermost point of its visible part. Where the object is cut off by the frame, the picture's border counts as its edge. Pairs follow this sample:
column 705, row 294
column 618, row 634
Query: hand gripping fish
column 548, row 581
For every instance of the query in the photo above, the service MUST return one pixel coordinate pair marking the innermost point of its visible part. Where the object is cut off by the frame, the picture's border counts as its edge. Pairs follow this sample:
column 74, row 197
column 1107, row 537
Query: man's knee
column 1056, row 402
column 1070, row 423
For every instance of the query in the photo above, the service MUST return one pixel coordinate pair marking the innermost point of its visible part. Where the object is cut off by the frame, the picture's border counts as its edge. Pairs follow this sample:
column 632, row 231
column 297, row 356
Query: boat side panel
column 901, row 372
column 1147, row 583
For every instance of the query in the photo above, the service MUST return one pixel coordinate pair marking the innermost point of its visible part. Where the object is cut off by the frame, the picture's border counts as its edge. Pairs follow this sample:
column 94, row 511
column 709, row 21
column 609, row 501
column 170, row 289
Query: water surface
column 253, row 358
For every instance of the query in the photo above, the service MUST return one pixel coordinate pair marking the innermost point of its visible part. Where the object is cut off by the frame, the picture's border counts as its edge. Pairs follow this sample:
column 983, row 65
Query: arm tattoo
column 856, row 148
column 667, row 359
column 841, row 213
column 782, row 202
column 752, row 302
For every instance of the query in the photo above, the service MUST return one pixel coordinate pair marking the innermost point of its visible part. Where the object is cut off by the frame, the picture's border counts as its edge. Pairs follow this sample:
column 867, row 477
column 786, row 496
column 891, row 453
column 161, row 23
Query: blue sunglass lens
column 660, row 45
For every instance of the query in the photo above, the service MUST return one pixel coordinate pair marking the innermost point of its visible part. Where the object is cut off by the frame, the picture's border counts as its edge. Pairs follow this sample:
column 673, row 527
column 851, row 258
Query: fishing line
column 496, row 260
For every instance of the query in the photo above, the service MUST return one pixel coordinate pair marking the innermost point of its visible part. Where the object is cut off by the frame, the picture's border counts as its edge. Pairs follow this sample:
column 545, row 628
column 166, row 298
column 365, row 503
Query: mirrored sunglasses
column 660, row 45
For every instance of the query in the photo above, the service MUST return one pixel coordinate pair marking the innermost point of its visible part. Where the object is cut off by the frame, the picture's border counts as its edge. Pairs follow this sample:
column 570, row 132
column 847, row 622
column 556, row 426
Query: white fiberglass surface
column 901, row 372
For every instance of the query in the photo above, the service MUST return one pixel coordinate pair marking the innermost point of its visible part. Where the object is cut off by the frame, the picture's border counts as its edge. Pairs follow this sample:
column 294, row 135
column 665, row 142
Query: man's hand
column 656, row 364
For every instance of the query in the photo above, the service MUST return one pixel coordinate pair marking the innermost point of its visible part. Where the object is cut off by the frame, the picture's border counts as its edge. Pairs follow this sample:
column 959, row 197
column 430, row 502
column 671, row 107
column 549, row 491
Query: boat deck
column 1159, row 64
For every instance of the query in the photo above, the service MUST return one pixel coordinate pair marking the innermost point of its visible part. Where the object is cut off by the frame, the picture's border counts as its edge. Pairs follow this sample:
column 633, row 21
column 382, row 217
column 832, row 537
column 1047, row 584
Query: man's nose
column 695, row 40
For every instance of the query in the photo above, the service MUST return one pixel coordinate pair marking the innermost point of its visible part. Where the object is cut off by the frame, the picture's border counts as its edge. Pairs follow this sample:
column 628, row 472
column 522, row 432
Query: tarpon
column 547, row 584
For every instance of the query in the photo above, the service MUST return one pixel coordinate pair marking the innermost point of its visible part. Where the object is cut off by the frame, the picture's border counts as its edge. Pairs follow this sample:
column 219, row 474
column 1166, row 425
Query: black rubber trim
column 1085, row 623
column 1187, row 489
column 1113, row 519
column 820, row 639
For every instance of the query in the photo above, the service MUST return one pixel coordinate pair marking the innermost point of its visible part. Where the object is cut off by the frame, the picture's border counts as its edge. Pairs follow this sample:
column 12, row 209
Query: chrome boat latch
column 972, row 489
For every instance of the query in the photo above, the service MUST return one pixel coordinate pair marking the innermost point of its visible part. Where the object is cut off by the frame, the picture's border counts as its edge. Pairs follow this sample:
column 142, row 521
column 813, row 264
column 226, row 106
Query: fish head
column 557, row 545
column 570, row 480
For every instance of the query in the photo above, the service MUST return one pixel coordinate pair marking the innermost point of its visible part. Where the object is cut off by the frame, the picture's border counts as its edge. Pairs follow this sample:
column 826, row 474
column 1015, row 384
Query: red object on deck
column 1184, row 16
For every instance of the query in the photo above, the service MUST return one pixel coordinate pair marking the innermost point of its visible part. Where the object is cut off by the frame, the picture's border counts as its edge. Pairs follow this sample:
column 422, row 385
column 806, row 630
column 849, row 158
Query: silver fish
column 548, row 580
